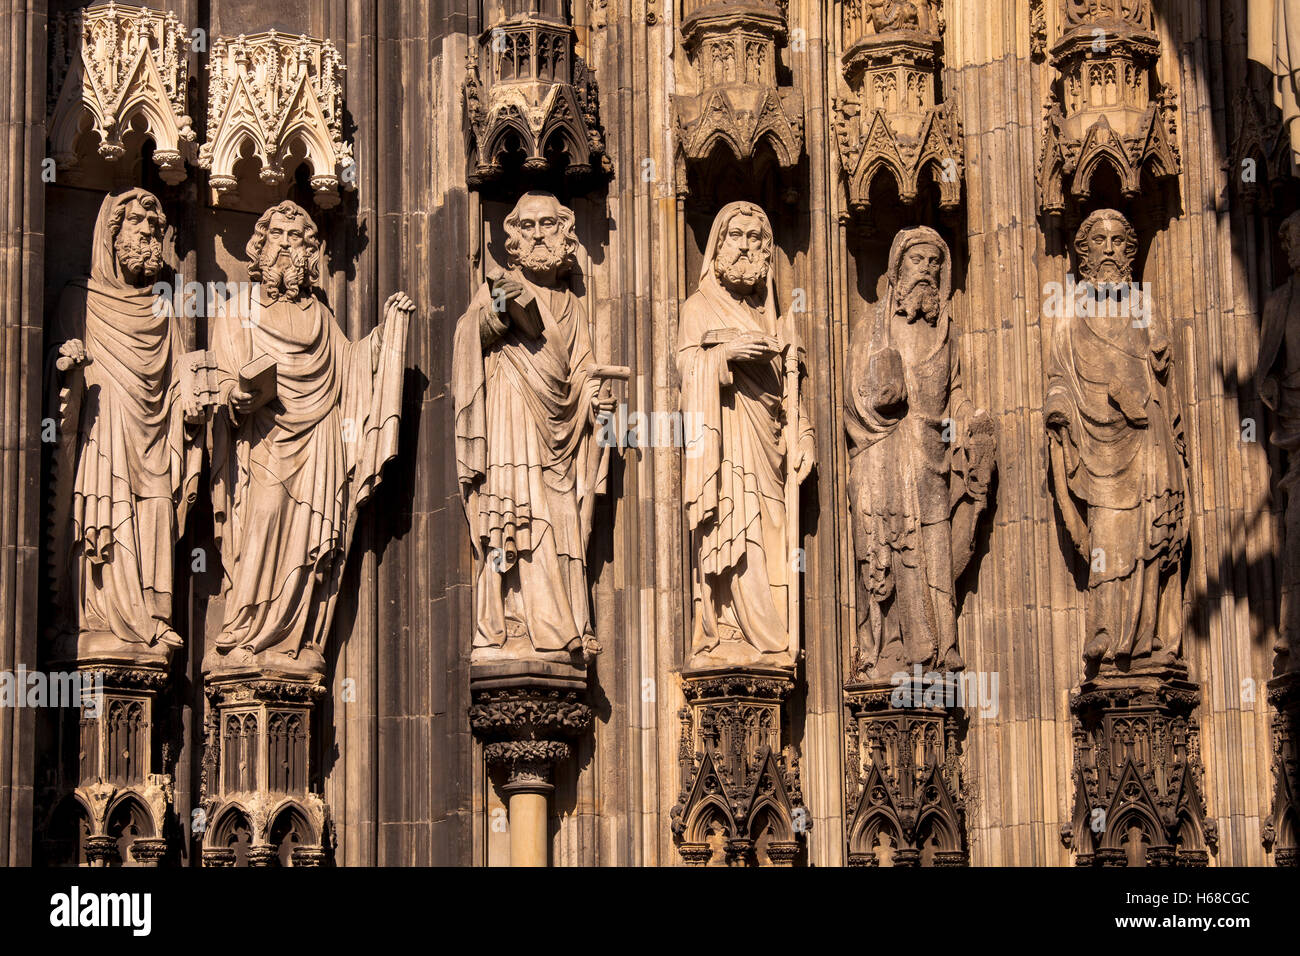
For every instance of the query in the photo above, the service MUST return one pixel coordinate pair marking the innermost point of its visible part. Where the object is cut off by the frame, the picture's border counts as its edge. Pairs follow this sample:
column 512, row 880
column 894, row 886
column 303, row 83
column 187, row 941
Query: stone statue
column 308, row 420
column 920, row 462
column 126, row 467
column 1278, row 378
column 1117, row 456
column 528, row 395
column 750, row 452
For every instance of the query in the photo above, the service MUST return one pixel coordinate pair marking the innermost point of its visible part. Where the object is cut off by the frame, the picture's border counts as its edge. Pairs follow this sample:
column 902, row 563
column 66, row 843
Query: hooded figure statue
column 127, row 464
column 920, row 461
column 731, row 354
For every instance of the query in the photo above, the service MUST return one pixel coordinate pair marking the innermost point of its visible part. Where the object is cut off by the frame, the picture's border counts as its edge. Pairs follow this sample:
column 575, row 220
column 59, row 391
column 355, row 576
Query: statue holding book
column 307, row 420
column 740, row 369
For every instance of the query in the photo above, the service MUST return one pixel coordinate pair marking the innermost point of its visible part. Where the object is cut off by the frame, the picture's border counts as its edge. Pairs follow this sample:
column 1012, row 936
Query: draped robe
column 734, row 474
column 1131, row 477
column 899, row 470
column 530, row 466
column 136, row 462
column 288, row 478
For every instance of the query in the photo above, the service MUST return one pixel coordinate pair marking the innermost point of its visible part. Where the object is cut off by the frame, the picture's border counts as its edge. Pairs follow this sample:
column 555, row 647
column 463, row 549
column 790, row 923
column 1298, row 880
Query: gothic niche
column 278, row 100
column 921, row 459
column 530, row 101
column 739, row 105
column 741, row 370
column 892, row 121
column 1118, row 469
column 128, row 403
column 1279, row 390
column 116, row 70
column 1106, row 107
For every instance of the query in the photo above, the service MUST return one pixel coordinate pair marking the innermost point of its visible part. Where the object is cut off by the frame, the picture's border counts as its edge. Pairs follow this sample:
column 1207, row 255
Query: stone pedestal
column 258, row 805
column 525, row 713
column 1138, row 772
column 905, row 795
column 740, row 804
column 117, row 813
column 1282, row 828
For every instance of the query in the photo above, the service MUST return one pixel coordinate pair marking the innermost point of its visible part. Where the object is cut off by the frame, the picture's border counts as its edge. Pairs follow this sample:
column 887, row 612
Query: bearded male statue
column 527, row 399
column 126, row 467
column 1277, row 377
column 732, row 352
column 308, row 419
column 920, row 461
column 1118, row 456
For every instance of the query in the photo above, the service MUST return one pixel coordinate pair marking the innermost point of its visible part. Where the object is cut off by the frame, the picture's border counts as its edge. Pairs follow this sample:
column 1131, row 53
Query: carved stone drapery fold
column 741, row 802
column 1106, row 107
column 268, row 95
column 740, row 103
column 892, row 121
column 1137, row 773
column 528, row 95
column 125, row 68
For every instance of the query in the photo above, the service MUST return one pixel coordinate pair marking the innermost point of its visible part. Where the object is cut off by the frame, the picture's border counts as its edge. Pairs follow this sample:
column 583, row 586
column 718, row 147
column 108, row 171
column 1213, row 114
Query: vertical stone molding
column 276, row 97
column 740, row 103
column 258, row 805
column 893, row 121
column 1106, row 107
column 531, row 102
column 741, row 803
column 905, row 796
column 1137, row 773
column 125, row 68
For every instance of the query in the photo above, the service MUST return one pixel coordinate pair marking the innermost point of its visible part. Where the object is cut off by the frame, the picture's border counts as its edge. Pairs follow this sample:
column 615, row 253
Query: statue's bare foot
column 1097, row 647
column 168, row 638
column 952, row 661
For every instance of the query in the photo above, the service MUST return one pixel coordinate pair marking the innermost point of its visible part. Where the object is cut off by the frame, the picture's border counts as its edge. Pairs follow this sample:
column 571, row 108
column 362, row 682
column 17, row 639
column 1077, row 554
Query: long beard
column 544, row 255
column 920, row 300
column 285, row 275
column 141, row 257
column 738, row 272
column 1106, row 272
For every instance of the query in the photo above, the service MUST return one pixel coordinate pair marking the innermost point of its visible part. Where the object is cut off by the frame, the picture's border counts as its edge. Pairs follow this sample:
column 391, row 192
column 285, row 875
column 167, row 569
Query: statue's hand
column 599, row 403
column 1130, row 404
column 504, row 290
column 72, row 354
column 805, row 458
column 1269, row 392
column 749, row 346
column 241, row 401
column 885, row 378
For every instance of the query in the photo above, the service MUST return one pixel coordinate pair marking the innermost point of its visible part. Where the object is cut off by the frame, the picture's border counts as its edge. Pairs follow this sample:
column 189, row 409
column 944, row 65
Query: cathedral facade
column 650, row 433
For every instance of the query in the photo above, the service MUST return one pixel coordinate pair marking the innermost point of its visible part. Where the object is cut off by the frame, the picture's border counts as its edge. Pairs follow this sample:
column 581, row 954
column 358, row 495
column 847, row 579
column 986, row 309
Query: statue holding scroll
column 528, row 397
column 308, row 419
column 129, row 443
column 921, row 457
column 1117, row 456
column 739, row 364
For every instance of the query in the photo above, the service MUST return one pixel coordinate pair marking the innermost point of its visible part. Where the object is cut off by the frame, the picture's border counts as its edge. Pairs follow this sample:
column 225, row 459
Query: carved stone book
column 258, row 378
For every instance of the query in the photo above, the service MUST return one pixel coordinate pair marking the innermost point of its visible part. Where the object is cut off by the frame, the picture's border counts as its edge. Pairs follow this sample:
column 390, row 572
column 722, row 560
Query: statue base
column 741, row 803
column 905, row 796
column 258, row 806
column 525, row 713
column 119, row 811
column 1137, row 771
